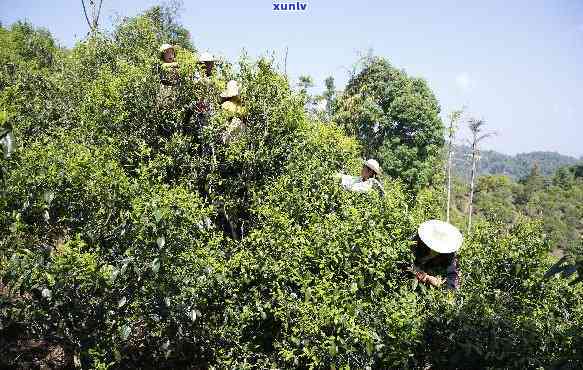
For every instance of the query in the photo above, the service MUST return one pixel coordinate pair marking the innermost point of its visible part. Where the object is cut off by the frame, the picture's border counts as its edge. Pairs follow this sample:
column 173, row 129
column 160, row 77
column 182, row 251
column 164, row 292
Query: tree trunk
column 453, row 119
column 449, row 164
column 472, row 182
column 285, row 62
column 477, row 136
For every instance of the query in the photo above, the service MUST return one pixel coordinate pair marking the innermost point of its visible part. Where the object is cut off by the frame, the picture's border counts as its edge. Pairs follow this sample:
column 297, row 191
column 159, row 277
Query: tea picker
column 231, row 105
column 169, row 66
column 366, row 182
column 208, row 61
column 435, row 252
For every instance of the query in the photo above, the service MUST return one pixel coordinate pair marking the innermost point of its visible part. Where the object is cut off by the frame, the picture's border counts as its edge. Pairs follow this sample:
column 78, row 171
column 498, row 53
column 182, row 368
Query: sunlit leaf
column 125, row 332
column 122, row 302
column 46, row 293
column 161, row 241
column 156, row 265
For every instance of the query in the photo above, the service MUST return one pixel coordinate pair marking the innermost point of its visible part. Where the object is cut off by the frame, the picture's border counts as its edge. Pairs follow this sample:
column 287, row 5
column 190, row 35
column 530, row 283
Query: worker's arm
column 361, row 187
column 346, row 181
column 452, row 275
column 424, row 277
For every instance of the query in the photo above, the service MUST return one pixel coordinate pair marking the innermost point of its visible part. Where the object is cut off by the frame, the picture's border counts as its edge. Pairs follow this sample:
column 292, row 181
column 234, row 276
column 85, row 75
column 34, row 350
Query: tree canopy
column 396, row 118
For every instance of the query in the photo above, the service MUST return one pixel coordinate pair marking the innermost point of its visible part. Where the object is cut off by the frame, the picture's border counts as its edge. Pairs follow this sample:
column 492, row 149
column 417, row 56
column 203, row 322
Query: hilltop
column 514, row 166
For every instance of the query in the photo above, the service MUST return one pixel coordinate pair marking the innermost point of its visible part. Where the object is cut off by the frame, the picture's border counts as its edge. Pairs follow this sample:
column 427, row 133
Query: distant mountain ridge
column 515, row 166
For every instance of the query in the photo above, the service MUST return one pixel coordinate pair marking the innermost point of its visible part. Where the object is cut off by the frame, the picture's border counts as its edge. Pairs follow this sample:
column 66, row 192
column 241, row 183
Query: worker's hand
column 434, row 281
column 421, row 276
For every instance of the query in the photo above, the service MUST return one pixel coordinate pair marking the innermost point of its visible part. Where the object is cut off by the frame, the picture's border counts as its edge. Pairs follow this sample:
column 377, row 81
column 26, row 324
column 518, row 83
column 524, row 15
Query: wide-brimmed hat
column 206, row 57
column 373, row 165
column 231, row 90
column 165, row 47
column 440, row 236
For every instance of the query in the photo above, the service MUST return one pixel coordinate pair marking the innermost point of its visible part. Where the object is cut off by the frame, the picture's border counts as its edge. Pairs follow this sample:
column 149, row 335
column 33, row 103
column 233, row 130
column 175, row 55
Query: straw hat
column 165, row 47
column 231, row 90
column 206, row 57
column 373, row 165
column 440, row 236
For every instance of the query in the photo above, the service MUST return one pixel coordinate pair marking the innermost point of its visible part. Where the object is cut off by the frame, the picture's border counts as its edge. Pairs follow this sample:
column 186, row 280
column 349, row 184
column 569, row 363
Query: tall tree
column 305, row 82
column 454, row 118
column 157, row 25
column 166, row 20
column 329, row 94
column 534, row 181
column 477, row 128
column 396, row 119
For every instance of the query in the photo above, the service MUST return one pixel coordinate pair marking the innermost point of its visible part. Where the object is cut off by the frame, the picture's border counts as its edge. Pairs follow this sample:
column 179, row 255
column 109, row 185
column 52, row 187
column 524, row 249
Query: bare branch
column 85, row 12
column 98, row 14
column 485, row 136
column 95, row 13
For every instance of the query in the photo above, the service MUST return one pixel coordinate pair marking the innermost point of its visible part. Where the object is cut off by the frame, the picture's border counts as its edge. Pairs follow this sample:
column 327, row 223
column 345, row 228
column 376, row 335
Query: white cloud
column 464, row 81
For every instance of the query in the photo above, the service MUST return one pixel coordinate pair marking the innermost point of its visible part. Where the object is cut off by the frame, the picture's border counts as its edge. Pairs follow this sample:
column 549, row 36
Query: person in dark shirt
column 435, row 251
column 208, row 61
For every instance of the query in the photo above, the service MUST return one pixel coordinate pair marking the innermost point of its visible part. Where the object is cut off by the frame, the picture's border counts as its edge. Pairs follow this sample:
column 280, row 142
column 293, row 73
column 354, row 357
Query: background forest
column 126, row 241
column 516, row 167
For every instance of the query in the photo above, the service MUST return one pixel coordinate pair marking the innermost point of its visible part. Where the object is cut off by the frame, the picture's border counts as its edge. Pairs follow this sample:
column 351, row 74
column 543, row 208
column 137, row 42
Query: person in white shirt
column 366, row 182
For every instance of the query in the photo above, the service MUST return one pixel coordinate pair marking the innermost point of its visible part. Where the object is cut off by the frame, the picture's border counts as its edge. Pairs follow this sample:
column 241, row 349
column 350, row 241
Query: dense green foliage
column 396, row 118
column 131, row 239
column 557, row 201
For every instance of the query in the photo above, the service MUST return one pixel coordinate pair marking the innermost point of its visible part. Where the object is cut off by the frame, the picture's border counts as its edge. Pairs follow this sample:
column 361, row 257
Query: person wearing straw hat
column 366, row 182
column 231, row 105
column 167, row 53
column 169, row 67
column 202, row 105
column 230, row 98
column 435, row 251
column 168, row 71
column 208, row 61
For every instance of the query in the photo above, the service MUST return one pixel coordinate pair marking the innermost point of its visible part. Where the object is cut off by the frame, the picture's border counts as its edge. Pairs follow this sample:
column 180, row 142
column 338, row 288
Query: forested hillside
column 514, row 166
column 555, row 200
column 134, row 234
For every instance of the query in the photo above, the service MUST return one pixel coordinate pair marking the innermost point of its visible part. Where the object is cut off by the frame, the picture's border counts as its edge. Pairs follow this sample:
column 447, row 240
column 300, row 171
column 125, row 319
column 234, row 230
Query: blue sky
column 517, row 64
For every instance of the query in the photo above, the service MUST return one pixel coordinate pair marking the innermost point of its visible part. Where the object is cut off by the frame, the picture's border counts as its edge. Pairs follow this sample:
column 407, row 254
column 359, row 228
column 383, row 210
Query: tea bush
column 506, row 310
column 134, row 236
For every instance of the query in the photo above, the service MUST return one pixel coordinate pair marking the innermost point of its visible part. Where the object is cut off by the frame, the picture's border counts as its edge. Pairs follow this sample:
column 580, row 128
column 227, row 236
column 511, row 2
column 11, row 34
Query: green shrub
column 133, row 241
column 505, row 315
